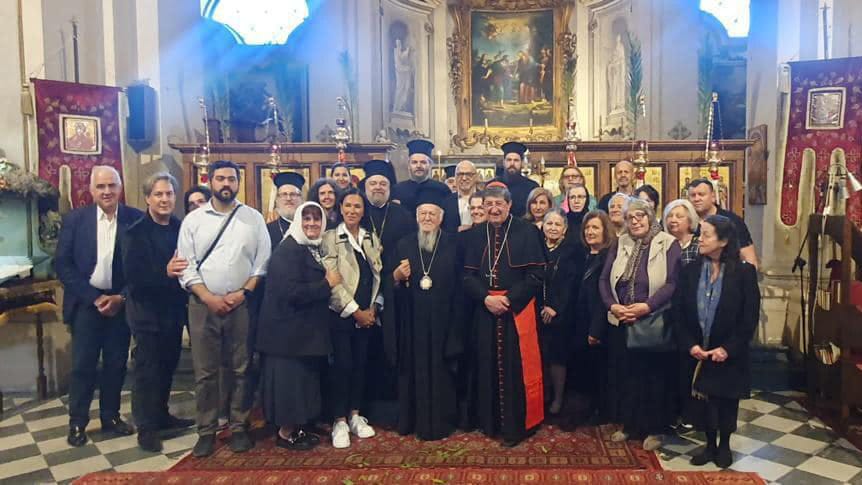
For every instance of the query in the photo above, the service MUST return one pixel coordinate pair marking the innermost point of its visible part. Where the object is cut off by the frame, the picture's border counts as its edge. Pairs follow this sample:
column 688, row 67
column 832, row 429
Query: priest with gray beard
column 288, row 196
column 427, row 309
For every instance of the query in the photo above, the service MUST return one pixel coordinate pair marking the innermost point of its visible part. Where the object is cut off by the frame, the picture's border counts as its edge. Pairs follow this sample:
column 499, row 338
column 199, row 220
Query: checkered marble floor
column 776, row 438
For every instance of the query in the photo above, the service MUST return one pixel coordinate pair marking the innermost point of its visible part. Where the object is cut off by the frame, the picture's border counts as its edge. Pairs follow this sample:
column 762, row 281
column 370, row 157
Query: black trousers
column 347, row 373
column 156, row 356
column 95, row 336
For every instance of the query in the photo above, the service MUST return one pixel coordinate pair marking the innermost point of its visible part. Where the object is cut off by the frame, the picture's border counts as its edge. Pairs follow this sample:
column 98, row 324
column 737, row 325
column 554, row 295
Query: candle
column 486, row 123
column 531, row 121
column 439, row 154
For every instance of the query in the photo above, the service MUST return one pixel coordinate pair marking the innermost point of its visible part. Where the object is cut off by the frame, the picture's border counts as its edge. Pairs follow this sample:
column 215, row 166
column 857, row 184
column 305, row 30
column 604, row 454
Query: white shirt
column 242, row 252
column 106, row 238
column 464, row 210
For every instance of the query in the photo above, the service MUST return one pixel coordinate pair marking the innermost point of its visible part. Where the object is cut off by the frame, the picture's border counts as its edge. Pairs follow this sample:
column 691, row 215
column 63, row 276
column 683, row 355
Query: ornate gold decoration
column 460, row 75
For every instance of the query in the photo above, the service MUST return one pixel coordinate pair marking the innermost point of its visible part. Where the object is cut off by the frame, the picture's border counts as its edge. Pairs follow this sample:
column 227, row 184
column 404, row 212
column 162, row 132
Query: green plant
column 634, row 81
column 705, row 58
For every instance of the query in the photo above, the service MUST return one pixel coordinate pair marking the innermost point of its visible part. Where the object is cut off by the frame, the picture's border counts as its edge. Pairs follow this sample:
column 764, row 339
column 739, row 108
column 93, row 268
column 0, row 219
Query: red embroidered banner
column 77, row 126
column 825, row 114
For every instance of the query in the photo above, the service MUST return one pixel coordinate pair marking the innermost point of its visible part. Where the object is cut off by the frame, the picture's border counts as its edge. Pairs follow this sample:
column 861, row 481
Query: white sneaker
column 340, row 435
column 652, row 442
column 359, row 427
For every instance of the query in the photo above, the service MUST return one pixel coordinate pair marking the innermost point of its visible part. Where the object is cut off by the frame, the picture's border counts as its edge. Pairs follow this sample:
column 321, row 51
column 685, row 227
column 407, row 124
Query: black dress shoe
column 312, row 438
column 240, row 442
column 118, row 427
column 705, row 456
column 297, row 441
column 173, row 422
column 77, row 436
column 149, row 441
column 205, row 446
column 723, row 458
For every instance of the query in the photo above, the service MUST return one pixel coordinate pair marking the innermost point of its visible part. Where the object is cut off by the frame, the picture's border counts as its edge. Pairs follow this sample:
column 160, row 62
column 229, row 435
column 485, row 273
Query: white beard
column 286, row 213
column 428, row 239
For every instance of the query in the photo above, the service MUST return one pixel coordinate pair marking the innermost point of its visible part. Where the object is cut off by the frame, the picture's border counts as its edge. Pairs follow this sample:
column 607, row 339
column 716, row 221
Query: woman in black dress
column 293, row 336
column 558, row 292
column 578, row 198
column 717, row 307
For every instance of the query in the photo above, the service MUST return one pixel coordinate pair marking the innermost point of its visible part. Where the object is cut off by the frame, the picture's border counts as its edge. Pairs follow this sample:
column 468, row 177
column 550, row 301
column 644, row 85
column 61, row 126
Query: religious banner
column 825, row 118
column 77, row 127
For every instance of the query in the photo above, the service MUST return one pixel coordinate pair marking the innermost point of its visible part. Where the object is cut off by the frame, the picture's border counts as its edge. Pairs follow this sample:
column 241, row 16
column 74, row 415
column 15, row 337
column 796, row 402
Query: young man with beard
column 624, row 172
column 287, row 198
column 419, row 166
column 504, row 272
column 518, row 185
column 426, row 313
column 91, row 270
column 227, row 247
column 155, row 310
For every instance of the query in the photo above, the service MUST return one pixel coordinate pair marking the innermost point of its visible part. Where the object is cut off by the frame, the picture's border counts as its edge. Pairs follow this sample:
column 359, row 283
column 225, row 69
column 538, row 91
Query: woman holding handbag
column 716, row 309
column 637, row 283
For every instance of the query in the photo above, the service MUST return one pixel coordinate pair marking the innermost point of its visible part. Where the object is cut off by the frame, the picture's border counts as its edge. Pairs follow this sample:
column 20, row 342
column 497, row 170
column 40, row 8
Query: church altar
column 671, row 164
column 312, row 160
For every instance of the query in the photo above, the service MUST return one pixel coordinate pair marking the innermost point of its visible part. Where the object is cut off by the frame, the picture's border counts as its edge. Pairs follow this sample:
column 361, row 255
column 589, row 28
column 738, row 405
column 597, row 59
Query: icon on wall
column 81, row 135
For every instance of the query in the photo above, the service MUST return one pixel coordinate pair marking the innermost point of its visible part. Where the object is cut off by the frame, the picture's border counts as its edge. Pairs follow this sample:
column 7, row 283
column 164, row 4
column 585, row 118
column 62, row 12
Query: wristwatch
column 246, row 292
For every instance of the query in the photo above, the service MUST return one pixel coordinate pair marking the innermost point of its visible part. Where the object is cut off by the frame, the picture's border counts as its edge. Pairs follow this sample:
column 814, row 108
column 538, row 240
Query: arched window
column 733, row 14
column 257, row 22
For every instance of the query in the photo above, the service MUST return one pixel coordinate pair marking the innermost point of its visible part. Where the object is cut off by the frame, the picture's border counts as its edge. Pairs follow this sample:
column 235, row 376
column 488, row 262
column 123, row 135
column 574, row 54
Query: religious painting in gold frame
column 266, row 187
column 552, row 179
column 722, row 185
column 654, row 176
column 491, row 40
column 240, row 196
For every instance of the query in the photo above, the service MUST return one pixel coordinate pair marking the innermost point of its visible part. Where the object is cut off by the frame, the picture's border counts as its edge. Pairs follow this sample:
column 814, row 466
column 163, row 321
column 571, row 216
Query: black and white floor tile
column 776, row 439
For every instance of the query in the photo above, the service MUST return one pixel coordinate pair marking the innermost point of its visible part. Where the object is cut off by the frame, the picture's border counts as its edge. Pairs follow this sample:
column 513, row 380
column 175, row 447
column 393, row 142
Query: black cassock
column 426, row 337
column 277, row 229
column 391, row 223
column 520, row 188
column 509, row 394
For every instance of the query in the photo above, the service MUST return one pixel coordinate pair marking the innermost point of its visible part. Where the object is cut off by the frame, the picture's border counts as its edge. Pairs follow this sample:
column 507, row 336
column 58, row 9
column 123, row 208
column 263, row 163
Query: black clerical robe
column 277, row 229
column 520, row 188
column 390, row 223
column 426, row 337
column 509, row 394
column 405, row 192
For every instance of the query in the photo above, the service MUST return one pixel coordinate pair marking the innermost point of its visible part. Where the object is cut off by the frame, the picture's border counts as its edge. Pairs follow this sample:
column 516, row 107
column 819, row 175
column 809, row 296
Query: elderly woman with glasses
column 638, row 279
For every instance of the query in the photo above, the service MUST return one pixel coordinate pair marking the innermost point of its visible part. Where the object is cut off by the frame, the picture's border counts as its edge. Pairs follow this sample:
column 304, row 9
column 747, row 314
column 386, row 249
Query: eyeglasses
column 466, row 174
column 291, row 195
column 578, row 197
column 636, row 216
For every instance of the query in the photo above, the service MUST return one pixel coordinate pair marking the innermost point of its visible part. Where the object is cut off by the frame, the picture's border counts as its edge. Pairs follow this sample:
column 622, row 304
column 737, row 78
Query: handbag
column 652, row 333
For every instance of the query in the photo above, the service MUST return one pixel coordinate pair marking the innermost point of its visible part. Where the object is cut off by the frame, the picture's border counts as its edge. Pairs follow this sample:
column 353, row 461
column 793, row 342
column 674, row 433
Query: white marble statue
column 616, row 74
column 403, row 63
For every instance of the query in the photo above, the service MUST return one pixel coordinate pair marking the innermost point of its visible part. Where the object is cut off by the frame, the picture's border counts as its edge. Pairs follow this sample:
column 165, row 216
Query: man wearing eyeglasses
column 287, row 199
column 465, row 183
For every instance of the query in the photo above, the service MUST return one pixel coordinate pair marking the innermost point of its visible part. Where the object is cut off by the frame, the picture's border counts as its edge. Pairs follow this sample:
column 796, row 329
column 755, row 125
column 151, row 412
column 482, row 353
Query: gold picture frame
column 496, row 19
column 80, row 135
column 723, row 186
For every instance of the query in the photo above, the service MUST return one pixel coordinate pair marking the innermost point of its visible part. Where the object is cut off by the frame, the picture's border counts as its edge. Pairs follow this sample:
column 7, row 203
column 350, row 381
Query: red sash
column 531, row 361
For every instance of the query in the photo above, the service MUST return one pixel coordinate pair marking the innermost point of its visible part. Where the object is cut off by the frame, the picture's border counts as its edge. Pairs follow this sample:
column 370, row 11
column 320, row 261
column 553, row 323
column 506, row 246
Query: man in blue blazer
column 89, row 264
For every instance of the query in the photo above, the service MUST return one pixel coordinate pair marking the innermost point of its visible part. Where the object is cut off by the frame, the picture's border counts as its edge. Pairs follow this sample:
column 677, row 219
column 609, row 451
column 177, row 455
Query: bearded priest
column 428, row 312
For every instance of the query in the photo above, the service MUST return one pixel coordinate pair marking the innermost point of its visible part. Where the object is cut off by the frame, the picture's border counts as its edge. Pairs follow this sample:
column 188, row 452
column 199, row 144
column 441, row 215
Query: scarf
column 295, row 229
column 641, row 247
column 708, row 295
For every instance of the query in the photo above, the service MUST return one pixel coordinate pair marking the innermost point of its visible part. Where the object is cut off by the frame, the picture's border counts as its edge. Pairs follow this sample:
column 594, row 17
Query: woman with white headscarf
column 293, row 333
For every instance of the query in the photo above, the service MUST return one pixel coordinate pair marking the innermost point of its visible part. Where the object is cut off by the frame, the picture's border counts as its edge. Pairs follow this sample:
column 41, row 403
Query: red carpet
column 440, row 476
column 550, row 448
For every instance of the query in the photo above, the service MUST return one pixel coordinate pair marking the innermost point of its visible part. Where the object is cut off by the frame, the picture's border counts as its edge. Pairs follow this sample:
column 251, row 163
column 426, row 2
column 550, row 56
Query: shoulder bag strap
column 218, row 236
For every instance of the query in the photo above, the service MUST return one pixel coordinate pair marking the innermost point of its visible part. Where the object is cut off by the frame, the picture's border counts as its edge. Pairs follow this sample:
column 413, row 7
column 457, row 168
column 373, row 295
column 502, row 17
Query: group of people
column 471, row 309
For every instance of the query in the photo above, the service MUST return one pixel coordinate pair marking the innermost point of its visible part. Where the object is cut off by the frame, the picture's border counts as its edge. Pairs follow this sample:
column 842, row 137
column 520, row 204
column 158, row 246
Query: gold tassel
column 694, row 393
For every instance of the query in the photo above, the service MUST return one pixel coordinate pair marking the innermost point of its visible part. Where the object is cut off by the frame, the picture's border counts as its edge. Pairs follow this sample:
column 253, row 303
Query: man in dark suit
column 90, row 267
